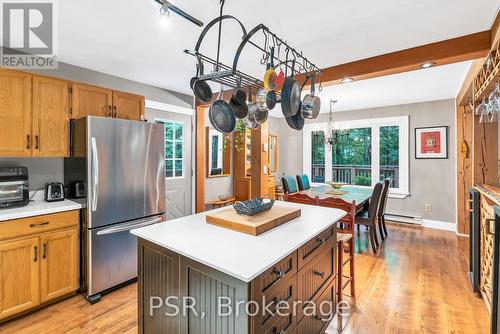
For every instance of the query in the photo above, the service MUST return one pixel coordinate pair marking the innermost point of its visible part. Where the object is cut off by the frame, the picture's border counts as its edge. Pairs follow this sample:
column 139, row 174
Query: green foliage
column 353, row 147
column 389, row 146
column 318, row 147
column 362, row 180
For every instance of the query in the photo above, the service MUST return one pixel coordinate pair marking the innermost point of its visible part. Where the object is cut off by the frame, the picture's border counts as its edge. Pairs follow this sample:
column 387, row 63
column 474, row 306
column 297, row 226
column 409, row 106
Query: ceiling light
column 428, row 64
column 347, row 80
column 167, row 6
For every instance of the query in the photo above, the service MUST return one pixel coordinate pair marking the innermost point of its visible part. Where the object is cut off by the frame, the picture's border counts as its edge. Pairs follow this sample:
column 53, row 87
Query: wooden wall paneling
column 15, row 114
column 464, row 166
column 485, row 153
column 259, row 160
column 200, row 158
column 50, row 117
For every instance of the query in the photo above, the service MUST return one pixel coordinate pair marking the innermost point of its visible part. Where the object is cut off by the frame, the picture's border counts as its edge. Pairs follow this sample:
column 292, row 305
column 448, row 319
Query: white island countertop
column 38, row 207
column 237, row 254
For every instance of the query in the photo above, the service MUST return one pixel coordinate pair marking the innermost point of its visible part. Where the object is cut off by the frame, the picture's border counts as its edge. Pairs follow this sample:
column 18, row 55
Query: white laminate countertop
column 38, row 207
column 237, row 254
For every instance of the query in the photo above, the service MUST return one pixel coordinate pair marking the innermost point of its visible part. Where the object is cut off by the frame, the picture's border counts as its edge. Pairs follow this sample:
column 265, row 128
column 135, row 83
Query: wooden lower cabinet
column 163, row 273
column 58, row 264
column 40, row 264
column 19, row 276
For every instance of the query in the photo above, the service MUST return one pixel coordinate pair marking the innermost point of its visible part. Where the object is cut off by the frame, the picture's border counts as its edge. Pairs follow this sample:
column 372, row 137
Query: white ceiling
column 129, row 39
column 431, row 84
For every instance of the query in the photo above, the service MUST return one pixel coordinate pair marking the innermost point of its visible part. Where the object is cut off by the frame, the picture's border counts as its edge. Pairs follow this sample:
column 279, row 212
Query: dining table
column 348, row 193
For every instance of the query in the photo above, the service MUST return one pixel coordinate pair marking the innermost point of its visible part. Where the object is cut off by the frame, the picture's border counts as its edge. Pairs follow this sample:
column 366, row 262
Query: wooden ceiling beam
column 441, row 53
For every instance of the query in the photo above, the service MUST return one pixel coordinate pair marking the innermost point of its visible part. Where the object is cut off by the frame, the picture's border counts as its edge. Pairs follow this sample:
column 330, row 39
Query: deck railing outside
column 355, row 174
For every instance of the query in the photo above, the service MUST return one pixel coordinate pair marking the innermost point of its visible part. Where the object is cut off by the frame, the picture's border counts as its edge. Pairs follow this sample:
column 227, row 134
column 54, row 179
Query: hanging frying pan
column 290, row 95
column 250, row 120
column 238, row 103
column 201, row 89
column 222, row 116
column 270, row 75
column 267, row 99
column 296, row 121
column 311, row 104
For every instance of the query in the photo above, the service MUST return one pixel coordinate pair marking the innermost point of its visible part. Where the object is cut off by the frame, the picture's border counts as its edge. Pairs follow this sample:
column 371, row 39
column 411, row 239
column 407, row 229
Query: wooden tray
column 253, row 225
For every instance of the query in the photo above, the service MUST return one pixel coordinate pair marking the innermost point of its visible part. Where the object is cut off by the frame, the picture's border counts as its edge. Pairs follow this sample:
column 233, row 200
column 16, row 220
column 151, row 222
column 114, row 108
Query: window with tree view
column 360, row 153
column 174, row 148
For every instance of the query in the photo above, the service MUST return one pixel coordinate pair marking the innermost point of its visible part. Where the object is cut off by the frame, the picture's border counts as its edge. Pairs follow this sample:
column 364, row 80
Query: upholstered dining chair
column 303, row 182
column 345, row 236
column 301, row 199
column 289, row 184
column 381, row 209
column 370, row 218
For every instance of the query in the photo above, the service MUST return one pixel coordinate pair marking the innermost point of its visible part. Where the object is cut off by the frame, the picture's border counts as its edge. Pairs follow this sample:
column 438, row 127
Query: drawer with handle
column 325, row 309
column 275, row 275
column 35, row 225
column 284, row 325
column 282, row 296
column 315, row 274
column 315, row 246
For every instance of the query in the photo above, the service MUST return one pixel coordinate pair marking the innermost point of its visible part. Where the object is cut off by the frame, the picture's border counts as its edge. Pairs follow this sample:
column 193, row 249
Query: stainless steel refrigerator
column 122, row 165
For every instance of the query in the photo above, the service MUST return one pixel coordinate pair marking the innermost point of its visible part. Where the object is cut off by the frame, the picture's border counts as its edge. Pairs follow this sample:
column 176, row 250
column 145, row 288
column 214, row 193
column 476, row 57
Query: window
column 363, row 152
column 174, row 147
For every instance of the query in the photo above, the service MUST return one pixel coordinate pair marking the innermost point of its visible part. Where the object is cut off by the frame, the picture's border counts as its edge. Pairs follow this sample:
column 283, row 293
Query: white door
column 178, row 182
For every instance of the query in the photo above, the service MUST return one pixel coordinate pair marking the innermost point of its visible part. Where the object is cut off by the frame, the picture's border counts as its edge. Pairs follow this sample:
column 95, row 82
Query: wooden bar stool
column 345, row 237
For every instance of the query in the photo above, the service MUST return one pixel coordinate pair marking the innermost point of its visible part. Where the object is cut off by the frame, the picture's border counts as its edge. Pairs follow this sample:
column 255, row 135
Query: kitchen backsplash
column 41, row 170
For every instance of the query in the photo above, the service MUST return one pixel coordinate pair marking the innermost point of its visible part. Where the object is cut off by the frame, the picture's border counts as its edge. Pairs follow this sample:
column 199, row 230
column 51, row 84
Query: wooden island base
column 306, row 275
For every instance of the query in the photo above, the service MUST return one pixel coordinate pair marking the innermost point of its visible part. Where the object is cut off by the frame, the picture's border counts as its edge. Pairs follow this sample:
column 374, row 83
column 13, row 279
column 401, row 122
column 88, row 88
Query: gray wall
column 44, row 170
column 431, row 181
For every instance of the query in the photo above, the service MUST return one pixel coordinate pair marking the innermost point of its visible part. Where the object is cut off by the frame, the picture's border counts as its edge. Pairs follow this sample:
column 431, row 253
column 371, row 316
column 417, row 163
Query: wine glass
column 482, row 108
column 494, row 99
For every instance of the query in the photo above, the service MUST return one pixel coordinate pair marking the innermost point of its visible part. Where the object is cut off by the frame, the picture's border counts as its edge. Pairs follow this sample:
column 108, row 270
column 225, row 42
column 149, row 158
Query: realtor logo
column 28, row 31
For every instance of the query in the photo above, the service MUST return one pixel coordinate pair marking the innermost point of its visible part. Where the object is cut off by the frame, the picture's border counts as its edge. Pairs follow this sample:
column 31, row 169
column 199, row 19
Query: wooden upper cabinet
column 87, row 100
column 50, row 117
column 19, row 276
column 127, row 106
column 58, row 264
column 15, row 114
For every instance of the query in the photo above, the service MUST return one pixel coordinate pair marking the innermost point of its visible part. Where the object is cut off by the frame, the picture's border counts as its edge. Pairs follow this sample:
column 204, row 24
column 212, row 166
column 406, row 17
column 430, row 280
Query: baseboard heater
column 403, row 218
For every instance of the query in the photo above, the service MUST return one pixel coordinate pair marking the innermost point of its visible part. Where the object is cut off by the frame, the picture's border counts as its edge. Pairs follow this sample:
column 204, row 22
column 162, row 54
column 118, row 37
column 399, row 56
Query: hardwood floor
column 417, row 283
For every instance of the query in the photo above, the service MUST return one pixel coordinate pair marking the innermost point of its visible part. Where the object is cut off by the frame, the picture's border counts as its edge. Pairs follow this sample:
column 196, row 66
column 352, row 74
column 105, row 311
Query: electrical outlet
column 427, row 207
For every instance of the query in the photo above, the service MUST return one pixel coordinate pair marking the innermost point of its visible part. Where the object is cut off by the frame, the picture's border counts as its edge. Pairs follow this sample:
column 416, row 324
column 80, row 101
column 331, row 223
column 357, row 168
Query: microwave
column 14, row 187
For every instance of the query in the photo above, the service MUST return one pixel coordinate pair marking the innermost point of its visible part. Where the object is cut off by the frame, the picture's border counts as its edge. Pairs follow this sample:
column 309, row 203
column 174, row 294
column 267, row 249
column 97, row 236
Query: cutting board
column 253, row 225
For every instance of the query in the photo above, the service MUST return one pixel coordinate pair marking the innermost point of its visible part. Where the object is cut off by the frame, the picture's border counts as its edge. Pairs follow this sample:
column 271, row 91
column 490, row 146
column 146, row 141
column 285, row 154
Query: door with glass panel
column 177, row 162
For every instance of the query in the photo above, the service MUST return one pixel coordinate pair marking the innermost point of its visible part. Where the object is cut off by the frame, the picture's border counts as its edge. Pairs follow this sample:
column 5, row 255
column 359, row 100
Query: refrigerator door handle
column 95, row 174
column 142, row 223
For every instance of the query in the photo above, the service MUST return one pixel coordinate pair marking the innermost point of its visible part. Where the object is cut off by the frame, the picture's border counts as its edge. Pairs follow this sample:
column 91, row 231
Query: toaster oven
column 14, row 187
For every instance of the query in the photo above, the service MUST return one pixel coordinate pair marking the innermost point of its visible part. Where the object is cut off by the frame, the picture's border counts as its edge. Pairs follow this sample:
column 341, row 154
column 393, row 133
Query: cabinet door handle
column 44, row 250
column 319, row 273
column 36, row 254
column 36, row 142
column 278, row 272
column 39, row 224
column 28, row 137
column 110, row 113
column 320, row 241
column 115, row 111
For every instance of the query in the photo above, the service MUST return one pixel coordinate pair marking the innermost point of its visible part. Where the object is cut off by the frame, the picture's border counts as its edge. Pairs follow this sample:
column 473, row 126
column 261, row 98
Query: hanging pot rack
column 293, row 61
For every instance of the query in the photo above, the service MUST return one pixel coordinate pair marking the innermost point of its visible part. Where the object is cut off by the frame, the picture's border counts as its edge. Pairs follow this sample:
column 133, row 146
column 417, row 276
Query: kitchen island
column 221, row 281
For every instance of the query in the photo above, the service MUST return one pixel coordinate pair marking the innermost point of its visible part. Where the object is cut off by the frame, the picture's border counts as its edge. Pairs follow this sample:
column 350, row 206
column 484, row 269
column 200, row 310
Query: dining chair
column 303, row 182
column 301, row 199
column 289, row 184
column 345, row 236
column 381, row 209
column 370, row 218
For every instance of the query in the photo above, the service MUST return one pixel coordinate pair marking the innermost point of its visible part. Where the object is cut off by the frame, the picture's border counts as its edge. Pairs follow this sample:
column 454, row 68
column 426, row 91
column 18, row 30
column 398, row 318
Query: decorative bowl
column 337, row 185
column 223, row 197
column 253, row 206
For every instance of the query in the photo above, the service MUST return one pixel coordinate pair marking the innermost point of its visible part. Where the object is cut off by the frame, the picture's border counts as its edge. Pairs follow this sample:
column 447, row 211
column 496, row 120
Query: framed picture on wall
column 431, row 142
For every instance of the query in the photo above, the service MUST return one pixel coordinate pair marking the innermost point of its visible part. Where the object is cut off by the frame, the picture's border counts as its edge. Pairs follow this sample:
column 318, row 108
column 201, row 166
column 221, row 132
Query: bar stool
column 345, row 237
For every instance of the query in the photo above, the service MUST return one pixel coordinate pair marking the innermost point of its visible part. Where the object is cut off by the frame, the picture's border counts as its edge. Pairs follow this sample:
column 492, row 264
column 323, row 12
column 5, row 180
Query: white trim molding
column 375, row 124
column 168, row 107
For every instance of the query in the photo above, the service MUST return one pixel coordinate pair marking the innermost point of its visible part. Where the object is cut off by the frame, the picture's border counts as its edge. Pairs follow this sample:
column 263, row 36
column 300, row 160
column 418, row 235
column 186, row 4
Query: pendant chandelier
column 332, row 135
